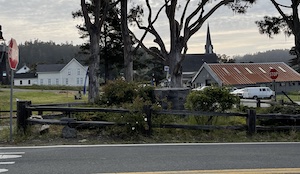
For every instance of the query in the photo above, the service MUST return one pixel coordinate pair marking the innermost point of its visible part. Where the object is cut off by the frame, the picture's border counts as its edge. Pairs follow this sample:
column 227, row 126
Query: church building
column 193, row 62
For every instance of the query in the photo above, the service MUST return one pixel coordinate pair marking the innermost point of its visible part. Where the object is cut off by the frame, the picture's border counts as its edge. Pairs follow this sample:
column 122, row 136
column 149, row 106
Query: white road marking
column 12, row 153
column 144, row 145
column 3, row 170
column 7, row 163
column 9, row 156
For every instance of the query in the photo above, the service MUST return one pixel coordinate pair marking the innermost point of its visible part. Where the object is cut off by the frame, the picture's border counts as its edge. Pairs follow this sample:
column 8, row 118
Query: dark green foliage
column 273, row 26
column 119, row 92
column 292, row 110
column 146, row 93
column 213, row 99
column 39, row 52
column 282, row 109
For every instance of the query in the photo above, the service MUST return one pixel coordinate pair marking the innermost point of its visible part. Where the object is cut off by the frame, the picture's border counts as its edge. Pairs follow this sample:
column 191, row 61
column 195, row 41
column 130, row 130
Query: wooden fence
column 25, row 109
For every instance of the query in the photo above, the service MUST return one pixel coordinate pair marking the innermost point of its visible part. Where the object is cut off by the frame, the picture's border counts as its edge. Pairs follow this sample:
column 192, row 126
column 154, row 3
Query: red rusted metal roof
column 252, row 73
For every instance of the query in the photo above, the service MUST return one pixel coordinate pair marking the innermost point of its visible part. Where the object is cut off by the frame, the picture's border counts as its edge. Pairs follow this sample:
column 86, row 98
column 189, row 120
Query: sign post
column 13, row 59
column 273, row 75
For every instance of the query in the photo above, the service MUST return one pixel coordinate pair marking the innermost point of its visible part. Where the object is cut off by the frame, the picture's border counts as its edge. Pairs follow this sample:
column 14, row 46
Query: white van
column 254, row 92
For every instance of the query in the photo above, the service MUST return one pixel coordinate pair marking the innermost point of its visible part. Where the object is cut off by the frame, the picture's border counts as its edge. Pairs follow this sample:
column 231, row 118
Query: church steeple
column 208, row 45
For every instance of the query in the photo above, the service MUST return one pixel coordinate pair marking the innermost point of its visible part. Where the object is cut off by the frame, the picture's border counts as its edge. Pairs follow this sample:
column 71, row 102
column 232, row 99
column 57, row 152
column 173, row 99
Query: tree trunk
column 175, row 69
column 94, row 68
column 128, row 61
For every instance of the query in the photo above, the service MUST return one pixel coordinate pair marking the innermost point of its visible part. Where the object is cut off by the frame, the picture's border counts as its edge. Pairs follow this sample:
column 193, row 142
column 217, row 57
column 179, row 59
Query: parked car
column 200, row 88
column 254, row 92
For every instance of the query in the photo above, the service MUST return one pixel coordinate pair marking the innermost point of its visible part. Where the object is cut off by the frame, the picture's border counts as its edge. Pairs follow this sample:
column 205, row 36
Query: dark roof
column 193, row 62
column 50, row 67
column 25, row 75
column 252, row 73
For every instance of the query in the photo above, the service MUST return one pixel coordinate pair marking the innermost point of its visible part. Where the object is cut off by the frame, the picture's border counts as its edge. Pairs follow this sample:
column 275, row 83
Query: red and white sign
column 273, row 74
column 13, row 54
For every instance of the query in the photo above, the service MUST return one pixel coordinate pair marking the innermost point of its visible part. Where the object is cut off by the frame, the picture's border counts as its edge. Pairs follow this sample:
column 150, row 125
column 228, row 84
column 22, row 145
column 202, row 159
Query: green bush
column 214, row 99
column 119, row 92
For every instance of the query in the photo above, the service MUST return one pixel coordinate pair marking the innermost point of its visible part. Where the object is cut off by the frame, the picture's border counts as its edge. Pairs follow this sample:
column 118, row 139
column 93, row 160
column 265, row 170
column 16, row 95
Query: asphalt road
column 148, row 157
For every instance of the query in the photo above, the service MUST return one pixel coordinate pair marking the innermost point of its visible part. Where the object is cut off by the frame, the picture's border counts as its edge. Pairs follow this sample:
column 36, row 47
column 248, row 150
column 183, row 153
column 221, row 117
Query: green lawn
column 293, row 97
column 37, row 97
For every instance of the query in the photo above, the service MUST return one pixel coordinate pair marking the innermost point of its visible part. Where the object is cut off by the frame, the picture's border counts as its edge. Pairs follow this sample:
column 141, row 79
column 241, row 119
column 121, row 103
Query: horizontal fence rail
column 25, row 109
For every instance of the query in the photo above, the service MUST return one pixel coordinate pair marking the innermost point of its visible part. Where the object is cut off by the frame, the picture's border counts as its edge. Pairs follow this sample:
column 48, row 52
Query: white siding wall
column 73, row 74
column 48, row 78
column 25, row 82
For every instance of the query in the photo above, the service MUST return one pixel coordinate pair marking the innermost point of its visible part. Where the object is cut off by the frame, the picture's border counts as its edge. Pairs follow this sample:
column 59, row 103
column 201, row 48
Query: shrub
column 211, row 99
column 118, row 91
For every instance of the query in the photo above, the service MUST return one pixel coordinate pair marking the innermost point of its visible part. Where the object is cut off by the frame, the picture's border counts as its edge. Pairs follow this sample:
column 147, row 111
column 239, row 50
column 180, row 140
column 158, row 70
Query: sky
column 51, row 20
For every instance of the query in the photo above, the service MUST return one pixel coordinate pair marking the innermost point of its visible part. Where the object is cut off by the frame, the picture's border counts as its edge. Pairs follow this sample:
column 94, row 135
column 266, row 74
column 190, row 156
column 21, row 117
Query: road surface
column 159, row 158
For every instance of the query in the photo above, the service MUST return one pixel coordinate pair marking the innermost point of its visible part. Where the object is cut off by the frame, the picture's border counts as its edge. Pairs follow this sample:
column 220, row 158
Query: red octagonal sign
column 13, row 54
column 273, row 74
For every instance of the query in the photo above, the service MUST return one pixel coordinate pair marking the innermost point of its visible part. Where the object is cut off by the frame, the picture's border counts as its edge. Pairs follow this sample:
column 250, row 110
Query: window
column 81, row 80
column 49, row 81
column 69, row 71
column 77, row 81
column 78, row 71
column 41, row 81
column 67, row 81
column 56, row 82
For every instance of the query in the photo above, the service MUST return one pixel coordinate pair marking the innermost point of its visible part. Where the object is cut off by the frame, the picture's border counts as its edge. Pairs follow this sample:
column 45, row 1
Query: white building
column 25, row 79
column 24, row 69
column 71, row 74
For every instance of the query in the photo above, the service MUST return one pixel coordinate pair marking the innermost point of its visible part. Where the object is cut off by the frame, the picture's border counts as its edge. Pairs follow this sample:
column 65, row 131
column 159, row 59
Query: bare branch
column 200, row 21
column 183, row 14
column 146, row 49
column 283, row 15
column 87, row 19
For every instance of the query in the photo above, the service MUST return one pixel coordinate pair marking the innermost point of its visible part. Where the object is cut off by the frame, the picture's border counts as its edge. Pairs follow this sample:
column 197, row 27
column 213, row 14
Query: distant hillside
column 36, row 52
column 268, row 56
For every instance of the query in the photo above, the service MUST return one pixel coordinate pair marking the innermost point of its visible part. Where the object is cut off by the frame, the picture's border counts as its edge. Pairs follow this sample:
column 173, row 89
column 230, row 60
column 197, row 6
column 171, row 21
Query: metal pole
column 274, row 87
column 11, row 107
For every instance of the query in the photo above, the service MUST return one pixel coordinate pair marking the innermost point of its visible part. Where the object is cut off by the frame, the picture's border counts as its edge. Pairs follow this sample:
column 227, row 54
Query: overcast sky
column 232, row 34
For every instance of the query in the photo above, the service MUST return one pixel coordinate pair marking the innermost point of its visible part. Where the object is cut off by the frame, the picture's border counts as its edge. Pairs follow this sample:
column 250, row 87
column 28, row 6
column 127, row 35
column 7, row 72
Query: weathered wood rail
column 25, row 109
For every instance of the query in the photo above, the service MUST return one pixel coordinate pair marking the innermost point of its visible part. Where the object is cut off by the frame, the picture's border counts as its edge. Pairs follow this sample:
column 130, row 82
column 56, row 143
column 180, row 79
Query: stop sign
column 273, row 74
column 13, row 54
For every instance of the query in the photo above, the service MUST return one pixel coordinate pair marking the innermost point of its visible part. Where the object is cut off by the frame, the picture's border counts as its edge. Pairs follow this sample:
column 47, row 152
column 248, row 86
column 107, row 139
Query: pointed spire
column 208, row 45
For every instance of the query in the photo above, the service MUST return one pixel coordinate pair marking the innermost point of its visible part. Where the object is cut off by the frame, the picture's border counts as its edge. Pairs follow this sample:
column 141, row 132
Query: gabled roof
column 25, row 75
column 193, row 62
column 50, row 67
column 74, row 60
column 250, row 73
column 54, row 67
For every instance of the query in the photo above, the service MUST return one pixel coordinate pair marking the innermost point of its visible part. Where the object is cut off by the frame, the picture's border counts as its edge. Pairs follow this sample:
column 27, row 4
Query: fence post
column 251, row 122
column 258, row 103
column 22, row 115
column 148, row 111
